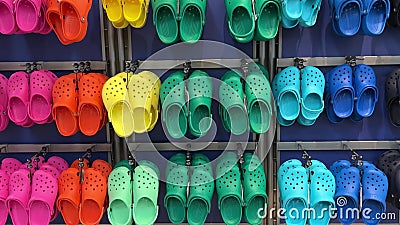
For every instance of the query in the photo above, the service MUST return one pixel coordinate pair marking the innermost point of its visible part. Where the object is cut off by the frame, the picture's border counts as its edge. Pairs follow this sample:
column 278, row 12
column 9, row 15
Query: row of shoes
column 350, row 92
column 133, row 191
column 25, row 98
column 81, row 101
column 299, row 95
column 172, row 19
column 348, row 16
column 23, row 16
column 132, row 102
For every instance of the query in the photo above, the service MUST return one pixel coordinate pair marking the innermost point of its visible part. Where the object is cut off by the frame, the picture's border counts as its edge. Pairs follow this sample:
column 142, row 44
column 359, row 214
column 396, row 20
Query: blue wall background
column 321, row 40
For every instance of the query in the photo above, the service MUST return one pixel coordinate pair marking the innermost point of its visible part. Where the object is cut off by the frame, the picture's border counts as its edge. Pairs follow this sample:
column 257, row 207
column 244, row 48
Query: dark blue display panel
column 320, row 41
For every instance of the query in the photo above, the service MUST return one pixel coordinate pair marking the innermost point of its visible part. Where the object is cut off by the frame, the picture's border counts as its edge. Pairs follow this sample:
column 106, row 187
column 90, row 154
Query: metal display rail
column 53, row 66
column 194, row 146
column 337, row 145
column 27, row 148
column 335, row 61
column 195, row 63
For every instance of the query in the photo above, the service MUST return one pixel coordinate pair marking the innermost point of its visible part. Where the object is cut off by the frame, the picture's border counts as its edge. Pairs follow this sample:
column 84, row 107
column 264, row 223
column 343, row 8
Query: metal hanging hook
column 28, row 67
column 87, row 67
column 76, row 67
column 131, row 66
column 42, row 152
column 132, row 162
column 299, row 63
column 76, row 71
column 240, row 152
column 305, row 155
column 88, row 154
column 189, row 162
column 132, row 159
column 132, row 156
column 34, row 66
column 3, row 149
column 135, row 65
column 187, row 66
column 188, row 155
column 82, row 67
column 244, row 66
column 352, row 60
column 253, row 5
column 37, row 160
column 29, row 166
column 127, row 70
column 355, row 157
column 45, row 149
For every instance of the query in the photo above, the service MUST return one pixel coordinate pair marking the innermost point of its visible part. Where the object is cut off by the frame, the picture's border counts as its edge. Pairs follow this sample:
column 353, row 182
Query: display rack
column 52, row 66
column 335, row 61
column 338, row 145
column 195, row 63
column 25, row 148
